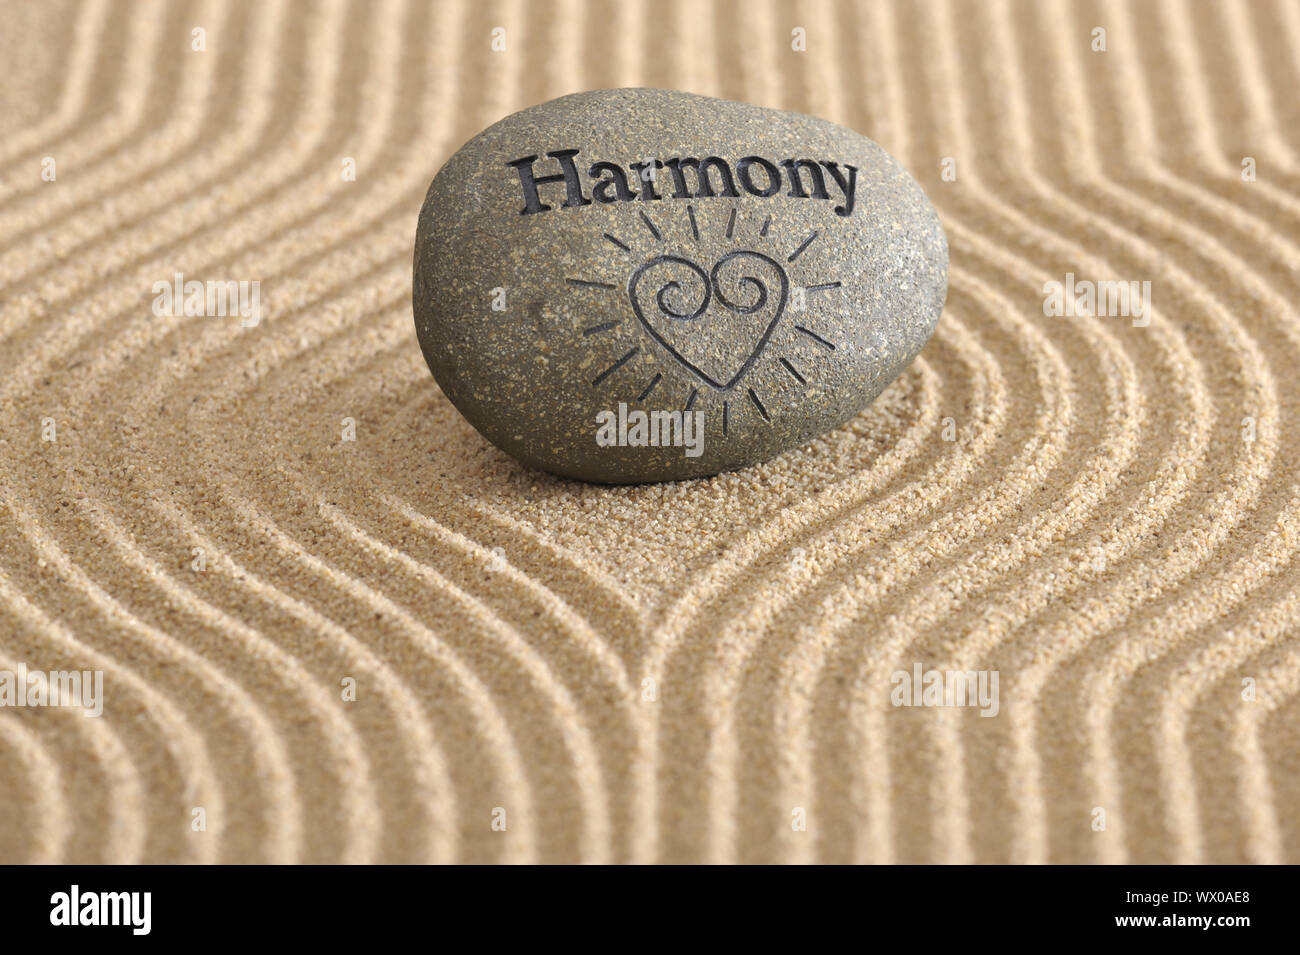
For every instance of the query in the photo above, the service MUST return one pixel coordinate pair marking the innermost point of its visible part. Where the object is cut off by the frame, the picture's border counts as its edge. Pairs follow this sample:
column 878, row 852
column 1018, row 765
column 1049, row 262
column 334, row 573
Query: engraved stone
column 646, row 285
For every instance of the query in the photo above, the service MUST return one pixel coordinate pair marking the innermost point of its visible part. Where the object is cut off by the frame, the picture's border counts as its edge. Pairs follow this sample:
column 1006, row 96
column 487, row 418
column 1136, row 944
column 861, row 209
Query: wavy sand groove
column 546, row 671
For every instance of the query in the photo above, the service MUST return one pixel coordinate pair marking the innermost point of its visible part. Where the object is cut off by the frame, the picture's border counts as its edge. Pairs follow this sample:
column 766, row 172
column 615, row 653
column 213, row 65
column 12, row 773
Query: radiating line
column 649, row 388
column 799, row 251
column 651, row 226
column 695, row 229
column 597, row 329
column 815, row 337
column 618, row 242
column 585, row 283
column 791, row 369
column 615, row 367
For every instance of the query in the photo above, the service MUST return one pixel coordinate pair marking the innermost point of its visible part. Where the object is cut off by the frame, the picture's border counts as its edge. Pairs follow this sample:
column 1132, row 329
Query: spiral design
column 667, row 273
column 731, row 270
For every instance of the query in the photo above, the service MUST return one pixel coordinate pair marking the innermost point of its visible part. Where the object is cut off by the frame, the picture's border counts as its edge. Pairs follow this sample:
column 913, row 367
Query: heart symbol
column 672, row 295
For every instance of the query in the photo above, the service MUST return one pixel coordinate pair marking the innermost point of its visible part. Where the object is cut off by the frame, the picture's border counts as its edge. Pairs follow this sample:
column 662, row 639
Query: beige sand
column 655, row 673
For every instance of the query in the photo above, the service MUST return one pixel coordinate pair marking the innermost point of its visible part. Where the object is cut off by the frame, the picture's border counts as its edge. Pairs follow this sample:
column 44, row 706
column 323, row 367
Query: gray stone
column 645, row 285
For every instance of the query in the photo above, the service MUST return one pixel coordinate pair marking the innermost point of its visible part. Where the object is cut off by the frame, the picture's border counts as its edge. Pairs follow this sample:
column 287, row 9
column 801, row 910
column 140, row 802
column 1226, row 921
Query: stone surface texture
column 772, row 318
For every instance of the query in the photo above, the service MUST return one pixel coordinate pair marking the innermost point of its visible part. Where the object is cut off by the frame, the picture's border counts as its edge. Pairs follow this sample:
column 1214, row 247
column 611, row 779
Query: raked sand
column 1106, row 513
